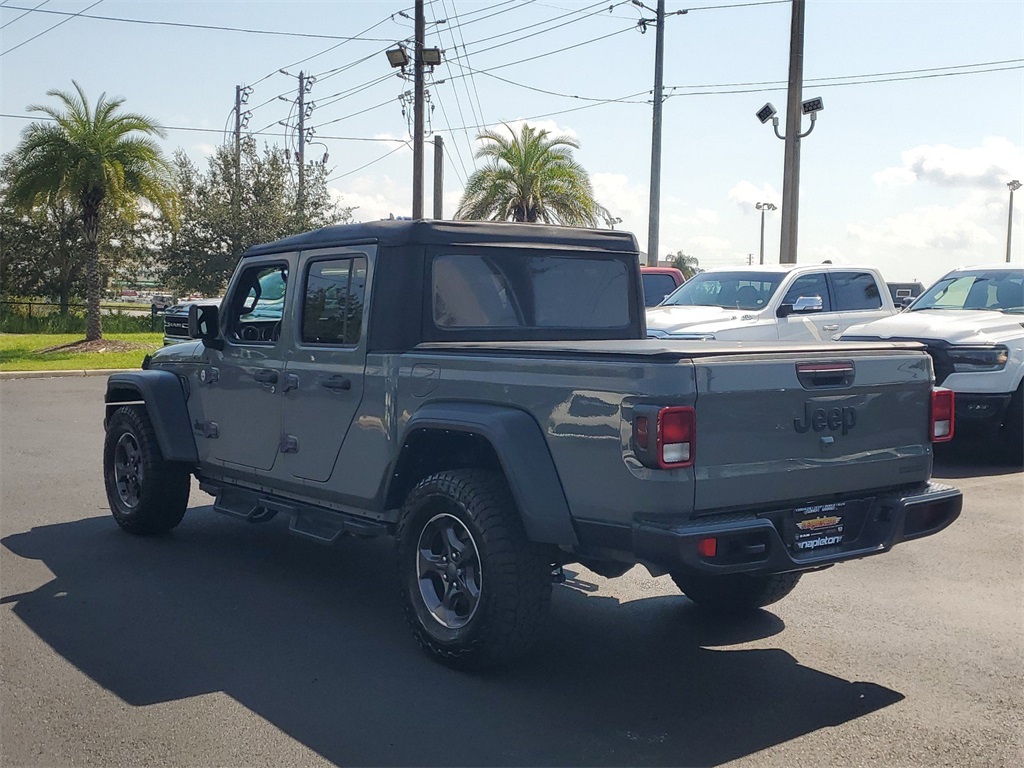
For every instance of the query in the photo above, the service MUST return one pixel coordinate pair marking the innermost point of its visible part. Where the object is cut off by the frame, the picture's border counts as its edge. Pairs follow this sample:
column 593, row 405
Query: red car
column 659, row 282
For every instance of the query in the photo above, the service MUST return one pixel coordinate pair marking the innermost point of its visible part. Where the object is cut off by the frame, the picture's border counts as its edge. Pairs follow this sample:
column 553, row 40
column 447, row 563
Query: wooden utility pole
column 417, row 116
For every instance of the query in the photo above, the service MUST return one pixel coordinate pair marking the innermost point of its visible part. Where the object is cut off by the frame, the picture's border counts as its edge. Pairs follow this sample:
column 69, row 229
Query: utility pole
column 236, row 186
column 791, row 169
column 1014, row 186
column 417, row 115
column 300, row 156
column 438, row 176
column 762, row 207
column 659, row 78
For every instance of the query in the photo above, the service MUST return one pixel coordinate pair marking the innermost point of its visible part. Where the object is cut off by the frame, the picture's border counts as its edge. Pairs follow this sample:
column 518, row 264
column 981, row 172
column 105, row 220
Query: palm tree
column 688, row 265
column 97, row 160
column 530, row 177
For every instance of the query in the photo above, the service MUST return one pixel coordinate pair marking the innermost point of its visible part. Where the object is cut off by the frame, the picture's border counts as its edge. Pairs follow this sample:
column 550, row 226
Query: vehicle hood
column 952, row 325
column 176, row 353
column 686, row 318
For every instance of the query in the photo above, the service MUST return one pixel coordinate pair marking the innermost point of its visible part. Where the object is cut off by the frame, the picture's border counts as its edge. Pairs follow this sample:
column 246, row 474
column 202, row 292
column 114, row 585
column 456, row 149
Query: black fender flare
column 523, row 452
column 164, row 396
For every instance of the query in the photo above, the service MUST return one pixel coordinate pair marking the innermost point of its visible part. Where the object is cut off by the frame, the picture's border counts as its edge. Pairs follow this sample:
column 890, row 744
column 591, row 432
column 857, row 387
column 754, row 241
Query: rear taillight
column 665, row 438
column 942, row 415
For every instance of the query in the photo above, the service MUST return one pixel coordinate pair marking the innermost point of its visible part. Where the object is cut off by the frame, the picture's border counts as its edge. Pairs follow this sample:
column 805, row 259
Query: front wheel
column 147, row 494
column 475, row 590
column 735, row 592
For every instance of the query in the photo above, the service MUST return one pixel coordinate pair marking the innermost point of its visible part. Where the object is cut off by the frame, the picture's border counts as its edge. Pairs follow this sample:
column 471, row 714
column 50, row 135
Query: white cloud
column 894, row 178
column 988, row 166
column 206, row 150
column 374, row 197
column 746, row 195
column 550, row 126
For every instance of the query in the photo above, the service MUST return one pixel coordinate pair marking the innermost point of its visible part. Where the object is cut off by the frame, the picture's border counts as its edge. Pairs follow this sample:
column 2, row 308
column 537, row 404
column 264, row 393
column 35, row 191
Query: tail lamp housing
column 665, row 437
column 942, row 415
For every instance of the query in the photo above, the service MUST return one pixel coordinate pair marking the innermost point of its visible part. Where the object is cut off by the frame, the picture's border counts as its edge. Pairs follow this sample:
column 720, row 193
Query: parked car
column 483, row 393
column 659, row 282
column 971, row 322
column 903, row 294
column 795, row 303
column 161, row 302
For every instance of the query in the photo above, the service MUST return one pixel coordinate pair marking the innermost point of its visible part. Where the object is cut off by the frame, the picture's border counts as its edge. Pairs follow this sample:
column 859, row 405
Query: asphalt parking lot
column 227, row 644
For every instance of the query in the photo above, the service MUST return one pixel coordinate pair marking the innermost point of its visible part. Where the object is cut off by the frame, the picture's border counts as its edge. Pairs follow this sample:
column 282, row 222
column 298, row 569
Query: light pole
column 762, row 207
column 1014, row 186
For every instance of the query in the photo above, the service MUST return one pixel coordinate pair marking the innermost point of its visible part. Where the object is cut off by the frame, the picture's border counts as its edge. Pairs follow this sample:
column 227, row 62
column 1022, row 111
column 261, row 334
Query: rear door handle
column 337, row 383
column 265, row 376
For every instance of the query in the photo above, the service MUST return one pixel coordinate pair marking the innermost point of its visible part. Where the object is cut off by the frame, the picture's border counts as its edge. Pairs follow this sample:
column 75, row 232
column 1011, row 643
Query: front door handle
column 265, row 376
column 337, row 383
column 830, row 328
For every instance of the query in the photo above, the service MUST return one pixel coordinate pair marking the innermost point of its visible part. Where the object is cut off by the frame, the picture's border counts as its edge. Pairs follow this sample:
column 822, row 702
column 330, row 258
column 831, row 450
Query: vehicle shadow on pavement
column 312, row 639
column 971, row 459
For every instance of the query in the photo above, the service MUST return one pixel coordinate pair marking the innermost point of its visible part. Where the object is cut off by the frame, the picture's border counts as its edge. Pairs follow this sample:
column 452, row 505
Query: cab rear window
column 519, row 291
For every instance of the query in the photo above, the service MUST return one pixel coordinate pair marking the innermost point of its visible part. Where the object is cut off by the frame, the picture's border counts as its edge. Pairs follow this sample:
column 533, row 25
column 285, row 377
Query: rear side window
column 855, row 290
column 657, row 287
column 332, row 309
column 513, row 290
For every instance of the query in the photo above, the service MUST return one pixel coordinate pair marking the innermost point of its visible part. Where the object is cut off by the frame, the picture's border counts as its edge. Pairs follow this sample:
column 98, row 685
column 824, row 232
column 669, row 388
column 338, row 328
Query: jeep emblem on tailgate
column 833, row 419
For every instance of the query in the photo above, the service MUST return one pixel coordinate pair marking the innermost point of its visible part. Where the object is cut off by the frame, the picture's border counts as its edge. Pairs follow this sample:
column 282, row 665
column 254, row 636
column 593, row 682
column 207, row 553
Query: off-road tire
column 513, row 579
column 735, row 592
column 147, row 494
column 1011, row 434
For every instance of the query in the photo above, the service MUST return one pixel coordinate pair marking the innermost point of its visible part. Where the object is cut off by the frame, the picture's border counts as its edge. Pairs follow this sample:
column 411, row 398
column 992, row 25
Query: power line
column 26, row 13
column 877, row 79
column 48, row 29
column 367, row 165
column 856, row 77
column 217, row 28
column 261, row 132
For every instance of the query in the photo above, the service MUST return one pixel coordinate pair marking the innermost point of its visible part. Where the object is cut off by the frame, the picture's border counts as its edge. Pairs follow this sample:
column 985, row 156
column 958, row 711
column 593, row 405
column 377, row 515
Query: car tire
column 1011, row 434
column 147, row 494
column 474, row 589
column 735, row 592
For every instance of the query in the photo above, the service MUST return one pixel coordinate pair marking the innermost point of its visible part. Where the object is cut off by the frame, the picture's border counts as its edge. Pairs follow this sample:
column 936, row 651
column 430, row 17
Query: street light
column 397, row 57
column 762, row 207
column 1014, row 186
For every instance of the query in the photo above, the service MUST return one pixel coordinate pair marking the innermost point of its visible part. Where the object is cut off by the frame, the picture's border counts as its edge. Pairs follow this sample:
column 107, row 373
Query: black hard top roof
column 430, row 232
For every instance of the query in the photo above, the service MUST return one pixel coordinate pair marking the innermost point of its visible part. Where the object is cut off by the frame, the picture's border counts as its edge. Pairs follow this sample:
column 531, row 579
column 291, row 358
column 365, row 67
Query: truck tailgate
column 788, row 427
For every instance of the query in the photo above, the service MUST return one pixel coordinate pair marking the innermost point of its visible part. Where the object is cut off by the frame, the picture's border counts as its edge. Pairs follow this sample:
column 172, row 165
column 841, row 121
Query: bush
column 40, row 317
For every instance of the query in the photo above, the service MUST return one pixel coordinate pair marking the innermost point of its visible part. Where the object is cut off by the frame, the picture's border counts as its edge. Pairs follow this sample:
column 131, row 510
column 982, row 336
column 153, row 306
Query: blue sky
column 906, row 170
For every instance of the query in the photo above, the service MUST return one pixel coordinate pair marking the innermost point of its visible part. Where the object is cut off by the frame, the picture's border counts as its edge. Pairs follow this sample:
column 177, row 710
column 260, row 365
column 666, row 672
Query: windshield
column 734, row 290
column 1001, row 290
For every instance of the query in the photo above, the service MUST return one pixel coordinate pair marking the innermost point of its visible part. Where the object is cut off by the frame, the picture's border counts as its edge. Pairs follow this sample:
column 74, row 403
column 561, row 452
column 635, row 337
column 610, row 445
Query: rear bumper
column 756, row 543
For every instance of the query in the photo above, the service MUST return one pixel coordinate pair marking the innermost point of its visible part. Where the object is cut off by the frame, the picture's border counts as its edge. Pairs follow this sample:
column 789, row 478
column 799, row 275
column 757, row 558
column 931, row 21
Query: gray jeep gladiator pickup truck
column 485, row 393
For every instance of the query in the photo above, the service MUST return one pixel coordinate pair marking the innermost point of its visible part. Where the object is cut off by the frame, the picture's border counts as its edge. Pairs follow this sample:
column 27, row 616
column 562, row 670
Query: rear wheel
column 474, row 588
column 735, row 592
column 147, row 494
column 1011, row 434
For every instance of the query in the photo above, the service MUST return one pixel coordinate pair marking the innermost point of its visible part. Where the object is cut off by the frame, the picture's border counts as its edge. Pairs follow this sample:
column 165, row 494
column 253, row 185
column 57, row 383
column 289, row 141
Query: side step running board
column 322, row 525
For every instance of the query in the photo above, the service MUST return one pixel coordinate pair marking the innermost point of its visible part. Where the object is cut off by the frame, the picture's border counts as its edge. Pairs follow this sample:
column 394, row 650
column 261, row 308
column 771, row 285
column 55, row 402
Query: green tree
column 96, row 159
column 530, row 177
column 688, row 265
column 212, row 234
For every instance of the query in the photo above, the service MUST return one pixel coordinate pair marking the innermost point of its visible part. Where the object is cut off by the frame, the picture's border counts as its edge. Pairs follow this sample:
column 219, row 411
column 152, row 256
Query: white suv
column 972, row 321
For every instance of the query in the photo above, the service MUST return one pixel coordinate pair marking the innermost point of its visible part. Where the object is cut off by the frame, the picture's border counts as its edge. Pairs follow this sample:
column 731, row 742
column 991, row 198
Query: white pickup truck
column 972, row 321
column 811, row 302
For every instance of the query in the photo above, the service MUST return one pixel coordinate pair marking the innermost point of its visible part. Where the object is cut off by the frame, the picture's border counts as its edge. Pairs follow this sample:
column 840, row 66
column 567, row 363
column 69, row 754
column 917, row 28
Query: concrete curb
column 58, row 374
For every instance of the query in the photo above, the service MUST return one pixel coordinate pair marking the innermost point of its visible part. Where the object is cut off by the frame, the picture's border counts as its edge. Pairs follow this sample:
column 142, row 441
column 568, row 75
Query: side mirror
column 802, row 306
column 202, row 323
column 906, row 301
